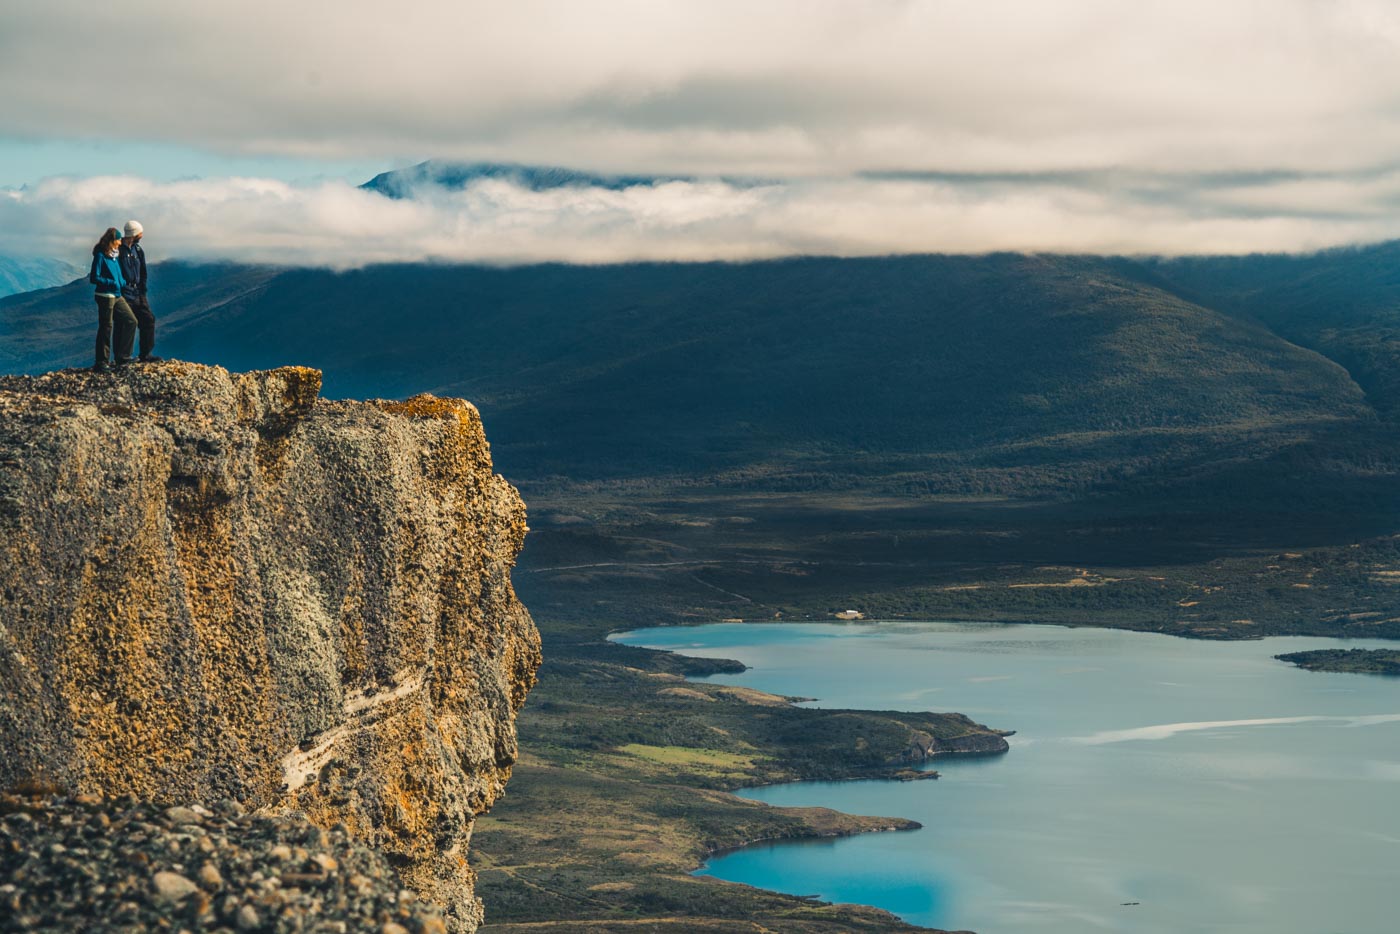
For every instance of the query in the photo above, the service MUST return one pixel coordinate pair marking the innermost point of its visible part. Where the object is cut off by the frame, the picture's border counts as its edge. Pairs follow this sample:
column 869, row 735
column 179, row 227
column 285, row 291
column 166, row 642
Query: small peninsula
column 1359, row 661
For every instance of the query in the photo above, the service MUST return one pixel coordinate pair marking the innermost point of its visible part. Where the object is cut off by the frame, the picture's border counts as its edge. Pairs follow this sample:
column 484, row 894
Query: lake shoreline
column 790, row 654
column 619, row 744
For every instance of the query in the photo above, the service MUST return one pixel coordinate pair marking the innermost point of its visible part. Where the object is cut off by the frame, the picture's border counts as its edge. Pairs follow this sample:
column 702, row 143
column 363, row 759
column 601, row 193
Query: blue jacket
column 133, row 261
column 106, row 274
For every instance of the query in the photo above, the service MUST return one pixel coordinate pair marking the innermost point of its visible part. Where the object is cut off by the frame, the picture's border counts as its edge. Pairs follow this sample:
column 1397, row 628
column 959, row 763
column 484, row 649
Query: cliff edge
column 218, row 585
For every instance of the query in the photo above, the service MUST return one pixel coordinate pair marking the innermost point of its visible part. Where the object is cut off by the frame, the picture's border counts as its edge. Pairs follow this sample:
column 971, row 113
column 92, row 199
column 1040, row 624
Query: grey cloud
column 1219, row 195
column 787, row 85
column 746, row 103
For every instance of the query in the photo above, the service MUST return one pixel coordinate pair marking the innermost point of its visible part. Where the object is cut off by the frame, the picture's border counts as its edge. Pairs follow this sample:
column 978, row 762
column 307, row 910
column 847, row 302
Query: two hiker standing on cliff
column 119, row 273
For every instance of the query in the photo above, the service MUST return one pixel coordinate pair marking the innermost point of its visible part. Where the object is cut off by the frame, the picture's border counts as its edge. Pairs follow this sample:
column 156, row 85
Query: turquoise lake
column 1213, row 786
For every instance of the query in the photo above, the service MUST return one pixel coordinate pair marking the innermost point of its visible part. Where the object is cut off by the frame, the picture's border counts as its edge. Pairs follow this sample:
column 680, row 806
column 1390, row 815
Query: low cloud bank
column 495, row 221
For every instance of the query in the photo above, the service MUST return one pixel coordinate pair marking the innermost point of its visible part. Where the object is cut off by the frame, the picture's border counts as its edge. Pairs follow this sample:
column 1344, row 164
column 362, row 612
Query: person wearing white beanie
column 133, row 260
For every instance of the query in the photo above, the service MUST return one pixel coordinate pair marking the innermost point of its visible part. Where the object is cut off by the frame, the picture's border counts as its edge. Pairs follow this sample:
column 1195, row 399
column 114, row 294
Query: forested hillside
column 1342, row 303
column 1003, row 375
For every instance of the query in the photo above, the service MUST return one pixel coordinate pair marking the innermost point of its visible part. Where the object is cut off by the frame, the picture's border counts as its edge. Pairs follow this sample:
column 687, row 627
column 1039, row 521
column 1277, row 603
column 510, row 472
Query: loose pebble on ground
column 121, row 865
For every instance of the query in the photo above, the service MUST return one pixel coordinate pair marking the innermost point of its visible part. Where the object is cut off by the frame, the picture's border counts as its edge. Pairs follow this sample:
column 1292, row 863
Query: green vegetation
column 678, row 757
column 1343, row 304
column 1361, row 661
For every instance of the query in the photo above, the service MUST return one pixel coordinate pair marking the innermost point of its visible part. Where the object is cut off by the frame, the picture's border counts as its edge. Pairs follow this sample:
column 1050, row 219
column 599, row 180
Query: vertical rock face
column 216, row 585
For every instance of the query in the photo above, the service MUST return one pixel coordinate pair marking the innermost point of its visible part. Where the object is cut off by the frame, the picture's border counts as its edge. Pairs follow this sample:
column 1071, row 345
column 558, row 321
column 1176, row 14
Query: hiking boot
column 149, row 358
column 120, row 364
column 101, row 366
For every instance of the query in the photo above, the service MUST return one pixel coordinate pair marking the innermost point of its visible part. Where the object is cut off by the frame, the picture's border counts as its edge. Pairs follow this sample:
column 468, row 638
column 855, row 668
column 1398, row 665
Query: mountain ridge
column 772, row 372
column 27, row 274
column 453, row 176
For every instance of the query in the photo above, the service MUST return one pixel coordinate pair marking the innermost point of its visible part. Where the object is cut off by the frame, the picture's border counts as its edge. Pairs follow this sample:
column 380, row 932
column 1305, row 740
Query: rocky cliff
column 217, row 585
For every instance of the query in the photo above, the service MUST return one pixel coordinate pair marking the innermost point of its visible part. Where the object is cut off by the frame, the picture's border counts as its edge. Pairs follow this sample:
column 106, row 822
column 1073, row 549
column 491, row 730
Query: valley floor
column 624, row 786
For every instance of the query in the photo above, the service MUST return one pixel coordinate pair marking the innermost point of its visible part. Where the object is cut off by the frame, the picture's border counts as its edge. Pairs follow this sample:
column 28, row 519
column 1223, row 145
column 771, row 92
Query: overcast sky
column 240, row 129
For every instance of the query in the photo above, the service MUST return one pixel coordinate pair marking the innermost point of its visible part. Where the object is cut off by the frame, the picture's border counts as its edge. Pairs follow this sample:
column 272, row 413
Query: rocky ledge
column 219, row 586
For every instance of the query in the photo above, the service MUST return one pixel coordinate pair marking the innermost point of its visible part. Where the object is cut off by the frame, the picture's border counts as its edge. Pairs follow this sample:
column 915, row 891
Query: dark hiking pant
column 116, row 328
column 145, row 323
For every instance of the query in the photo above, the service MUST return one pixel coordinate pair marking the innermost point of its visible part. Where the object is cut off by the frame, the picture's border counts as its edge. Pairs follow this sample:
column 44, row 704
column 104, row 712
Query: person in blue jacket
column 116, row 324
column 133, row 260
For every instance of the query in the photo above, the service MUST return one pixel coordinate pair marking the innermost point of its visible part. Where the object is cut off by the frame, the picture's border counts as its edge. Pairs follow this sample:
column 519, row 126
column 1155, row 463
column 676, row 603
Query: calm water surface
column 1217, row 788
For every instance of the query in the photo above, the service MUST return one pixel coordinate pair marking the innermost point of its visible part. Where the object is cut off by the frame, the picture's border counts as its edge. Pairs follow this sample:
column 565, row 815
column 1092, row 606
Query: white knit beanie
column 133, row 228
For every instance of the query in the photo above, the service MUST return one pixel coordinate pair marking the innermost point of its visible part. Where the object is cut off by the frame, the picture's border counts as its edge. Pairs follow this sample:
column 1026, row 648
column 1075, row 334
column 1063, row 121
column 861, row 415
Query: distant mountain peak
column 401, row 183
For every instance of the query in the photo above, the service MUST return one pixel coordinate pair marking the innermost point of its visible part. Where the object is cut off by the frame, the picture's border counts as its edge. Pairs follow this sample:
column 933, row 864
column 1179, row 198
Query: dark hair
column 105, row 243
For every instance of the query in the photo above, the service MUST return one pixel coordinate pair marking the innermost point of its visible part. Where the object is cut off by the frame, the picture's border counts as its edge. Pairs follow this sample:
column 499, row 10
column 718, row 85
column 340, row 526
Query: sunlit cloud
column 498, row 221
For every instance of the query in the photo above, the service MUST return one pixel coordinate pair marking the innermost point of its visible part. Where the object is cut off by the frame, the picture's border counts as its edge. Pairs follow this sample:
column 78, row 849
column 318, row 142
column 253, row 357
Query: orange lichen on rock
column 219, row 585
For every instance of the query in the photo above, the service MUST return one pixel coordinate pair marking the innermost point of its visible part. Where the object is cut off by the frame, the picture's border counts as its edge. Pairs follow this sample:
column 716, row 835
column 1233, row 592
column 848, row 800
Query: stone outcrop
column 973, row 740
column 217, row 585
column 983, row 742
